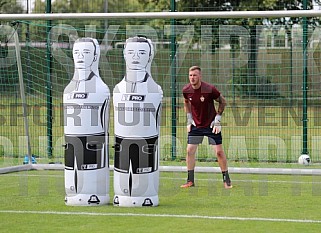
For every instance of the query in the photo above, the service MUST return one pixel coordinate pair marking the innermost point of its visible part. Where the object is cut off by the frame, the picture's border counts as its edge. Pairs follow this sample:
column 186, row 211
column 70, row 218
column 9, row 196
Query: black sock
column 190, row 175
column 226, row 177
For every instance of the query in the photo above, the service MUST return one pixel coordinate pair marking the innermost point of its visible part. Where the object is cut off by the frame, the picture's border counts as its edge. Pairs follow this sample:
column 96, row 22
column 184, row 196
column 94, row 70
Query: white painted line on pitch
column 164, row 216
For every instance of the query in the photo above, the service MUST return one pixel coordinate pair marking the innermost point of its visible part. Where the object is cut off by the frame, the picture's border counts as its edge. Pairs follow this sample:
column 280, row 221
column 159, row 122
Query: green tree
column 10, row 7
column 39, row 6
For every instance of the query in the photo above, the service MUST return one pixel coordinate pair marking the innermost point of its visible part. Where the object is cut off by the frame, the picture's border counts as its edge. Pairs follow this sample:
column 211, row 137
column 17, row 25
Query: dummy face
column 137, row 55
column 84, row 55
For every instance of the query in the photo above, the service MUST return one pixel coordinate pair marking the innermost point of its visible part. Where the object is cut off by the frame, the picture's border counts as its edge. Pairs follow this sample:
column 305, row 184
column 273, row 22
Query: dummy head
column 138, row 54
column 86, row 54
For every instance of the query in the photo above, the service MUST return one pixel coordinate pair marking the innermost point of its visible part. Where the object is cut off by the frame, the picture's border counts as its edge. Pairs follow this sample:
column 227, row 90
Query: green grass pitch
column 33, row 201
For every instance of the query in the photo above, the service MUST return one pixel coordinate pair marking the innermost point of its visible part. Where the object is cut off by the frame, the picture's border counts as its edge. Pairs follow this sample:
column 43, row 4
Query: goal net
column 268, row 70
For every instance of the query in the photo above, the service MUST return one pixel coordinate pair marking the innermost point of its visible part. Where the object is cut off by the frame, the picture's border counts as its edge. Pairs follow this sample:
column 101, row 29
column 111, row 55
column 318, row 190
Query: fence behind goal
column 270, row 76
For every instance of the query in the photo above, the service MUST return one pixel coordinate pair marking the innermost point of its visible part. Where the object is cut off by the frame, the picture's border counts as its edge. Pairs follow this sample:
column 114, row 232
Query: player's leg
column 222, row 161
column 190, row 157
column 190, row 164
column 221, row 157
column 216, row 141
column 195, row 137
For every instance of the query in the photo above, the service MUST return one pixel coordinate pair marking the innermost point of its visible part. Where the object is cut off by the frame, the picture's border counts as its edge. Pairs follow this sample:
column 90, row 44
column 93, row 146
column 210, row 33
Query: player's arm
column 187, row 106
column 216, row 124
column 188, row 111
column 221, row 104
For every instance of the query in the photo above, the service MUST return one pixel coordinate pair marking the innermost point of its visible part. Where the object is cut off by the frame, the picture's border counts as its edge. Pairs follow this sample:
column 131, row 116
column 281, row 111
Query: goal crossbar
column 165, row 15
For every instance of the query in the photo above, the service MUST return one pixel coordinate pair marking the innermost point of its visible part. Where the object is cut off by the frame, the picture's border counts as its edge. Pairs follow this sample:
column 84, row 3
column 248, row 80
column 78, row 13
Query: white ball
column 304, row 160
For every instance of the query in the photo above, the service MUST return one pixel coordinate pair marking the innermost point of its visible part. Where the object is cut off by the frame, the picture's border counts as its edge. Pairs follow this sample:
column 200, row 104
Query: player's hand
column 190, row 122
column 216, row 124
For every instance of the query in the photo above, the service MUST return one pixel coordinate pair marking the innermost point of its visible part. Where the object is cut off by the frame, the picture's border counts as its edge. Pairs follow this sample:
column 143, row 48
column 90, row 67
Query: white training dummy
column 86, row 116
column 137, row 108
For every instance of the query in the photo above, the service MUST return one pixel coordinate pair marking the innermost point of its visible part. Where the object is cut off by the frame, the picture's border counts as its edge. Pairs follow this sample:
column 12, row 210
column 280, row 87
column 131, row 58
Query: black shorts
column 196, row 135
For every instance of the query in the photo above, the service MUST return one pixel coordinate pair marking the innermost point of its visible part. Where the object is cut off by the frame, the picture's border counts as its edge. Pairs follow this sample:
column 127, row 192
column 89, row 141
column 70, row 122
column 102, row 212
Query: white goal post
column 165, row 15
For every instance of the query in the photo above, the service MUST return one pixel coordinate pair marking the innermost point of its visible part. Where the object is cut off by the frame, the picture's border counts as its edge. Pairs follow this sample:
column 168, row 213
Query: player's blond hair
column 195, row 68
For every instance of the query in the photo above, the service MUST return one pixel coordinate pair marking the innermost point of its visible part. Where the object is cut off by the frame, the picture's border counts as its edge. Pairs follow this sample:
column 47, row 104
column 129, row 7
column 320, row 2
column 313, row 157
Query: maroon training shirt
column 202, row 103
